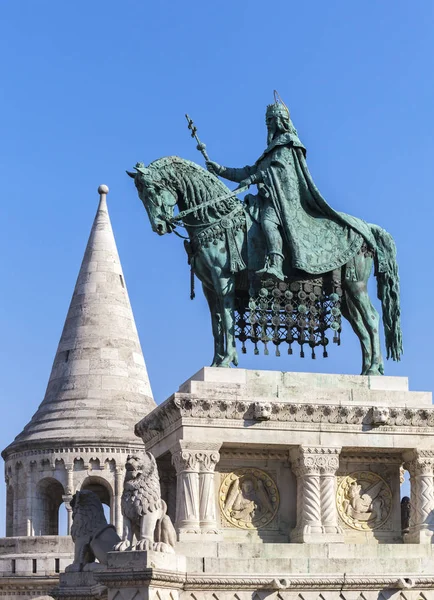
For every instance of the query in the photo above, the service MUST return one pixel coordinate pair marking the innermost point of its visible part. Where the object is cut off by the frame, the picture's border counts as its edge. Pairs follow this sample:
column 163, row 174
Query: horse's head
column 157, row 196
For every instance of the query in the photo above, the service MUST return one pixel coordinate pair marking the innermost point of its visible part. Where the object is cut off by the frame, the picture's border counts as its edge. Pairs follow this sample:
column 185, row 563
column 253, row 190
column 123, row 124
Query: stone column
column 119, row 484
column 185, row 461
column 317, row 519
column 69, row 492
column 29, row 494
column 195, row 489
column 328, row 463
column 207, row 500
column 420, row 465
column 16, row 486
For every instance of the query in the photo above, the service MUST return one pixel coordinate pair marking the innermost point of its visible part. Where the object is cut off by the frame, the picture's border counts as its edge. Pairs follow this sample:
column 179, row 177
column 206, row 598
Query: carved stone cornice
column 362, row 456
column 67, row 453
column 233, row 583
column 27, row 586
column 96, row 591
column 250, row 454
column 296, row 583
column 182, row 406
column 130, row 578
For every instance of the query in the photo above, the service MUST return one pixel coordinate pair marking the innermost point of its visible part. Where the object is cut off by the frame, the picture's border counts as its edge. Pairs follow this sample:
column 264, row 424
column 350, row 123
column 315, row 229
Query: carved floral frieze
column 189, row 406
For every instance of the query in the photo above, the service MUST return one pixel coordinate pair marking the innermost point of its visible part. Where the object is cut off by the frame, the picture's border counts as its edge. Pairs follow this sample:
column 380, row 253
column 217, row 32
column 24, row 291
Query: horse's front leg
column 217, row 326
column 225, row 286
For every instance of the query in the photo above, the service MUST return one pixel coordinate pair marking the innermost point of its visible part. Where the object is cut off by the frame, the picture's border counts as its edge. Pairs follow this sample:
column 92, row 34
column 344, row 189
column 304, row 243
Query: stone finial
column 103, row 189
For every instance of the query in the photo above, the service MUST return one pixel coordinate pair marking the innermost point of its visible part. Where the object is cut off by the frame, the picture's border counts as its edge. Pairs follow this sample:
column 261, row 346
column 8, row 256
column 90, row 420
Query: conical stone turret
column 99, row 386
column 98, row 390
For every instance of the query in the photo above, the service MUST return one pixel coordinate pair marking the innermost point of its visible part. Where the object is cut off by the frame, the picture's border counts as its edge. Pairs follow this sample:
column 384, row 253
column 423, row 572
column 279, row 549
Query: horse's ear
column 133, row 175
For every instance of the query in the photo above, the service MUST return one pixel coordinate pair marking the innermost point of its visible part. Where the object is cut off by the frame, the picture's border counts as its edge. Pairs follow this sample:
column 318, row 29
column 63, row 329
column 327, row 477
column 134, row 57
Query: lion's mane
column 88, row 514
column 142, row 494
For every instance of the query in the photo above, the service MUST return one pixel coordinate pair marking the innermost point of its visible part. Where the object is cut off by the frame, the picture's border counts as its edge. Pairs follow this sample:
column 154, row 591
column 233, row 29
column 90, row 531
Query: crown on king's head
column 277, row 108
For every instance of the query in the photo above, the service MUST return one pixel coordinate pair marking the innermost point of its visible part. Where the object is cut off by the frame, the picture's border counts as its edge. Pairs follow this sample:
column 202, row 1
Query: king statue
column 282, row 266
column 297, row 222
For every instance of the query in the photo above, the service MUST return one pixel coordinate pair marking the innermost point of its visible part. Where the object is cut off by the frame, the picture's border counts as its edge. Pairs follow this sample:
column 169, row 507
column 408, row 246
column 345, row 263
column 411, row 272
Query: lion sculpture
column 143, row 509
column 93, row 537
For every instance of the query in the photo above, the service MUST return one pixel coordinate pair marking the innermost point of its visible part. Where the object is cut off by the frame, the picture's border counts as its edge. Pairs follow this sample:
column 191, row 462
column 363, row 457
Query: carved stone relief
column 364, row 500
column 248, row 498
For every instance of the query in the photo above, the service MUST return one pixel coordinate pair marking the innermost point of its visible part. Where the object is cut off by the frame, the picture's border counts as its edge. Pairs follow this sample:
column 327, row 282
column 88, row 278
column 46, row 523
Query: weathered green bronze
column 285, row 243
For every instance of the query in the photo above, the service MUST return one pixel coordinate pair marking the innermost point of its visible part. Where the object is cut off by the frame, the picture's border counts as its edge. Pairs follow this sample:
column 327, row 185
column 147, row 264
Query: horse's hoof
column 226, row 362
column 216, row 361
column 375, row 372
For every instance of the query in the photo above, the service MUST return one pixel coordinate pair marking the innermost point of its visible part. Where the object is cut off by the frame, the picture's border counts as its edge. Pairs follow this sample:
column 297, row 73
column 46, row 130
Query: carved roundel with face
column 364, row 500
column 248, row 498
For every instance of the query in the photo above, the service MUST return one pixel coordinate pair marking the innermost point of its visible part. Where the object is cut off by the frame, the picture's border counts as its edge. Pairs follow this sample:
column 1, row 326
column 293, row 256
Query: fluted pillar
column 207, row 500
column 420, row 465
column 315, row 469
column 187, row 491
column 195, row 489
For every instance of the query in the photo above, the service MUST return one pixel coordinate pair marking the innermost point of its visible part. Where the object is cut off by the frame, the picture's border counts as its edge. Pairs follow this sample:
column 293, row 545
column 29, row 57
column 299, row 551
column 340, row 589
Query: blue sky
column 89, row 88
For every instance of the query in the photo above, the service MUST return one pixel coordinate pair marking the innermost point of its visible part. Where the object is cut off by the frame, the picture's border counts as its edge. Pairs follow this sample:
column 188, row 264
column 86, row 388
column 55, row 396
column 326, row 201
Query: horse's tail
column 386, row 270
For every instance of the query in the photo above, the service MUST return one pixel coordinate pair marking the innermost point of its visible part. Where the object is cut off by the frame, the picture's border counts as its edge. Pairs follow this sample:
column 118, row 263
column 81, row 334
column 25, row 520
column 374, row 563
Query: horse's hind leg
column 350, row 312
column 358, row 292
column 377, row 366
column 217, row 326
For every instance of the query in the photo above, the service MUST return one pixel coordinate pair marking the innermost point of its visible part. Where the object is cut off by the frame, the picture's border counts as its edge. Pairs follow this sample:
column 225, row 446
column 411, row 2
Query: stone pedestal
column 296, row 457
column 128, row 575
column 296, row 479
column 73, row 586
column 144, row 576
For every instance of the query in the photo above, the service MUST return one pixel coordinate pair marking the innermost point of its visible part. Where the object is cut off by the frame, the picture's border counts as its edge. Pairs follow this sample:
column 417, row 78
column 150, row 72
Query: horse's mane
column 196, row 183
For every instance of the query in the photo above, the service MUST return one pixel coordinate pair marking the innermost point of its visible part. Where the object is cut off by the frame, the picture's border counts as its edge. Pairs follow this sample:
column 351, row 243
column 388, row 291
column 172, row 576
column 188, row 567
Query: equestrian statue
column 279, row 266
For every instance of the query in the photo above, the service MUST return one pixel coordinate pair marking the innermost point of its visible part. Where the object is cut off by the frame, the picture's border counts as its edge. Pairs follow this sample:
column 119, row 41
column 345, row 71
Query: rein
column 186, row 237
column 189, row 211
column 173, row 222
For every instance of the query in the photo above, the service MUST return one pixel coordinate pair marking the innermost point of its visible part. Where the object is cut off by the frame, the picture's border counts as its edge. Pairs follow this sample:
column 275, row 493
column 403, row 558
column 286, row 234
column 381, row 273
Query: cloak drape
column 319, row 239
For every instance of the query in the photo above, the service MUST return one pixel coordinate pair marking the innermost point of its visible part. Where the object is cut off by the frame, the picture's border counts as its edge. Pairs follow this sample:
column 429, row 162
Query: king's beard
column 273, row 133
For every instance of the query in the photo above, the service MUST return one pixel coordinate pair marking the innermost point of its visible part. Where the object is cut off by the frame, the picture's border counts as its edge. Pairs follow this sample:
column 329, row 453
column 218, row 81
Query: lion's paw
column 122, row 546
column 144, row 544
column 162, row 547
column 74, row 568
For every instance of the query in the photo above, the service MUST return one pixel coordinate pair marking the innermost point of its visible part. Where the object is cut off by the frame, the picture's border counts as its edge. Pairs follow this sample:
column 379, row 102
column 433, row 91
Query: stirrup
column 271, row 272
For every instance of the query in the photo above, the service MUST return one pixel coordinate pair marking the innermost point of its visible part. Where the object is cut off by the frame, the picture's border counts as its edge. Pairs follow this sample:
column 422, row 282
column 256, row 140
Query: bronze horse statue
column 219, row 227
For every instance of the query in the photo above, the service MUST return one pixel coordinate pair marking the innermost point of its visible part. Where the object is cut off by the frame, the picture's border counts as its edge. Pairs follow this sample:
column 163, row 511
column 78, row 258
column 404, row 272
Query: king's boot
column 273, row 267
